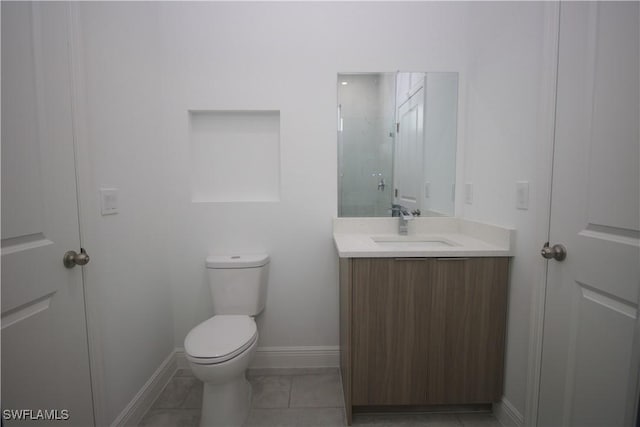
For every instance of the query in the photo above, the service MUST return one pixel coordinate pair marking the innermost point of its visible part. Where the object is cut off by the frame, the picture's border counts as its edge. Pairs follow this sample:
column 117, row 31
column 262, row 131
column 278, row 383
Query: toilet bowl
column 220, row 349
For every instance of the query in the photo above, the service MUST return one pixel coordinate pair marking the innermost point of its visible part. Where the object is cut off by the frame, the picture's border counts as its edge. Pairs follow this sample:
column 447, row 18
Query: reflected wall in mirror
column 397, row 137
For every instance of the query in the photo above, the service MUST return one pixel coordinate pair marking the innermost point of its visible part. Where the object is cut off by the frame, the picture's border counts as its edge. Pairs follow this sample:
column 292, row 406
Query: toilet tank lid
column 237, row 261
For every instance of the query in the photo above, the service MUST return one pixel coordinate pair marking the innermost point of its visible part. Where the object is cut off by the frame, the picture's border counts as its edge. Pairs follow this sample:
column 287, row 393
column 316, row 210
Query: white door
column 45, row 364
column 590, row 348
column 408, row 165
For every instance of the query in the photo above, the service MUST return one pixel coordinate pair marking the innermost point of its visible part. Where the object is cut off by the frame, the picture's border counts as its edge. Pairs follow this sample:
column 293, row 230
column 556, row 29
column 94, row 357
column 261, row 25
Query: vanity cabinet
column 422, row 331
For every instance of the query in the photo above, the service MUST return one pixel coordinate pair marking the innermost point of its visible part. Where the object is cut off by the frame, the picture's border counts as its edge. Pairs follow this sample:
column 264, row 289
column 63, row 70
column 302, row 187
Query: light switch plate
column 522, row 195
column 109, row 201
column 427, row 190
column 468, row 193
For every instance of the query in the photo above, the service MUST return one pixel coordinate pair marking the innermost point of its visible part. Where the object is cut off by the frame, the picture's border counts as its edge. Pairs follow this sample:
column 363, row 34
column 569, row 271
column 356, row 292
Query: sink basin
column 414, row 242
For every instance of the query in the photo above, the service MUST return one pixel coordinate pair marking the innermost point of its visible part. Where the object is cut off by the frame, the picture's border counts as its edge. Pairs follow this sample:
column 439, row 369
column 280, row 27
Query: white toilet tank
column 238, row 283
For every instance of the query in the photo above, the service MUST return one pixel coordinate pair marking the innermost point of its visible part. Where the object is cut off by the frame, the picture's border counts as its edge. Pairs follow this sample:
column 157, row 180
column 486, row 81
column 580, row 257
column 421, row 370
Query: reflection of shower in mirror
column 396, row 131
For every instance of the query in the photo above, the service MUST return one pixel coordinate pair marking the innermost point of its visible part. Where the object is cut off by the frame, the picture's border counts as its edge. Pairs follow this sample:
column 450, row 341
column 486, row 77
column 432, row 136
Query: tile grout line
column 290, row 392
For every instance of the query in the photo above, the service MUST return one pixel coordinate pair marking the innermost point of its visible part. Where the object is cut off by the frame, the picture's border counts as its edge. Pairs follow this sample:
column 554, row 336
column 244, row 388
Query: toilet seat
column 220, row 338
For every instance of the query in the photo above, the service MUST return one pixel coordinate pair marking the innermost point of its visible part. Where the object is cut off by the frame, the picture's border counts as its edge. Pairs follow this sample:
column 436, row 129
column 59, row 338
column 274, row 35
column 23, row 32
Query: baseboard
column 285, row 357
column 507, row 414
column 142, row 401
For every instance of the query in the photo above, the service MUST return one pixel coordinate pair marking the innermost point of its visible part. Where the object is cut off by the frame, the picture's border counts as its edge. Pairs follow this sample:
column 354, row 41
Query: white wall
column 129, row 272
column 505, row 126
column 147, row 64
column 283, row 56
column 244, row 56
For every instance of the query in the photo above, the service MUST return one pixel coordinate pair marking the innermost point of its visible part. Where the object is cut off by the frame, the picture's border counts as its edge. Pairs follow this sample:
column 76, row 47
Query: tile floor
column 295, row 397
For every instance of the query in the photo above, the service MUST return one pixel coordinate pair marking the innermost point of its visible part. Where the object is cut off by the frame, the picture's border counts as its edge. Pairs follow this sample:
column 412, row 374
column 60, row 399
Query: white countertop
column 427, row 237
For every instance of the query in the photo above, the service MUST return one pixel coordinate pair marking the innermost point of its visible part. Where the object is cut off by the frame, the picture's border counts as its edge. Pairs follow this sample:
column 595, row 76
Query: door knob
column 72, row 258
column 557, row 252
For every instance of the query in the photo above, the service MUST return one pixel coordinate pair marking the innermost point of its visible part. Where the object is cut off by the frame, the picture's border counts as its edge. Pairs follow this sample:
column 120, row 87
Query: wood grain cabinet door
column 428, row 331
column 391, row 298
column 467, row 328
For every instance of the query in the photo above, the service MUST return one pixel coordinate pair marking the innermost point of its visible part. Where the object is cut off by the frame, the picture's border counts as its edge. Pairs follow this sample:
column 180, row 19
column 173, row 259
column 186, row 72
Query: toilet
column 220, row 349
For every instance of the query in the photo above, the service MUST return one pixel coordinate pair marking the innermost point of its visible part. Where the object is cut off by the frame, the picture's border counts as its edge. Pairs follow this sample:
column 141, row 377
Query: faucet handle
column 416, row 212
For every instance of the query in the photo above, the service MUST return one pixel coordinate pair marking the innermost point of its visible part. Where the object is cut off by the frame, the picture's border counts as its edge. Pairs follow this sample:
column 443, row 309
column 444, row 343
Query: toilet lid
column 220, row 337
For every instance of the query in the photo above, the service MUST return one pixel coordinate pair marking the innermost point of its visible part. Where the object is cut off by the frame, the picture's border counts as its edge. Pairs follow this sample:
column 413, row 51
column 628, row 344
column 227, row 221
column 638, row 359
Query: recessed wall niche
column 235, row 155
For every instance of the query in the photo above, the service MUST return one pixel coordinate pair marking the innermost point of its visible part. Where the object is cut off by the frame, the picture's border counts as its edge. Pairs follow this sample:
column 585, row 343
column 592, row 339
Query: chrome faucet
column 404, row 218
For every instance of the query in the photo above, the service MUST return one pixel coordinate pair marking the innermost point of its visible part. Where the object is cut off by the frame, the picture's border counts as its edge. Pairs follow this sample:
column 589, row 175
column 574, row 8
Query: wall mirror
column 397, row 137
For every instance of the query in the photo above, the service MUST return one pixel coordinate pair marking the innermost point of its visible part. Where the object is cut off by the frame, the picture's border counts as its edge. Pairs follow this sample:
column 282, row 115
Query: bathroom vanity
column 422, row 316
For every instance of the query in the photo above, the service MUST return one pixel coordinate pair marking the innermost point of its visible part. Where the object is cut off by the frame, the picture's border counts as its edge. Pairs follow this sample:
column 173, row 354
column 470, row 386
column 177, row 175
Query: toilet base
column 226, row 404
